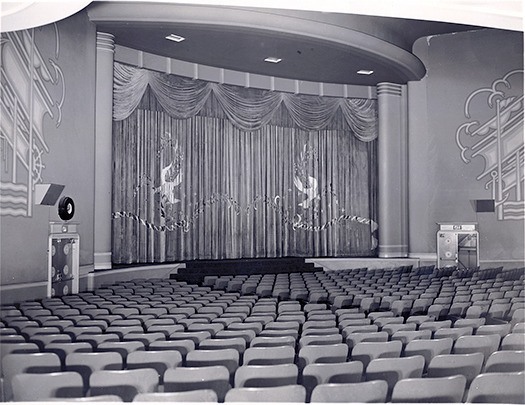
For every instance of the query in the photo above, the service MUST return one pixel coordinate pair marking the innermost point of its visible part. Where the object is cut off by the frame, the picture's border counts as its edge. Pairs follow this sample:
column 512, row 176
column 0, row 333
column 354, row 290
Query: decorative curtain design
column 207, row 171
column 248, row 110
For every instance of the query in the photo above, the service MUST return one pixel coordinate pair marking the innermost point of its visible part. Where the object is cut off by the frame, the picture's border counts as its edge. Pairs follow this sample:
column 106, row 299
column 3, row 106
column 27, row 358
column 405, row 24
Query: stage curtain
column 209, row 180
column 247, row 109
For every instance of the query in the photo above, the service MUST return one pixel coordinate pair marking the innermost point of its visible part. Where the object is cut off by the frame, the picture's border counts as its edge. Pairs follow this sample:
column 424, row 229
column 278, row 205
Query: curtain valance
column 248, row 110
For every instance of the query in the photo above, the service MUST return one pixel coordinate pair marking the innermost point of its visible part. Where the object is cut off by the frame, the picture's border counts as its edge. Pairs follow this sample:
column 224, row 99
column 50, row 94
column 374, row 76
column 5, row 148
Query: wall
column 442, row 186
column 63, row 145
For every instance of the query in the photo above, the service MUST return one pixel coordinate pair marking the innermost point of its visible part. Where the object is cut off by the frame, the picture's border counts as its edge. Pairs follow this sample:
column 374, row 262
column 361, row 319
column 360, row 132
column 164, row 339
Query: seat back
column 513, row 341
column 428, row 348
column 506, row 388
column 368, row 351
column 30, row 363
column 18, row 347
column 228, row 358
column 445, row 389
column 266, row 376
column 329, row 339
column 63, row 349
column 319, row 373
column 393, row 370
column 87, row 363
column 453, row 333
column 203, row 395
column 405, row 336
column 288, row 393
column 369, row 391
column 261, row 341
column 269, row 355
column 500, row 329
column 236, row 343
column 159, row 360
column 435, row 325
column 445, row 365
column 182, row 379
column 123, row 348
column 507, row 361
column 124, row 383
column 336, row 353
column 39, row 387
column 486, row 344
column 392, row 328
column 183, row 346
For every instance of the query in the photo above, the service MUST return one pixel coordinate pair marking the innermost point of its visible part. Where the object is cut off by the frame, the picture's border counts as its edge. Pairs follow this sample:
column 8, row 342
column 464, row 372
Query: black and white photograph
column 262, row 201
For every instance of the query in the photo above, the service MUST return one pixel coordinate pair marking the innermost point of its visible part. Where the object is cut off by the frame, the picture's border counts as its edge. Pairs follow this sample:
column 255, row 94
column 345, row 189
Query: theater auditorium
column 310, row 202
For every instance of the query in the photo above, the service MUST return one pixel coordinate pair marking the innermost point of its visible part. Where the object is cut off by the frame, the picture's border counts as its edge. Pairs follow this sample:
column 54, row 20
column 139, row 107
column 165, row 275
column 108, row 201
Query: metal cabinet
column 458, row 245
column 63, row 259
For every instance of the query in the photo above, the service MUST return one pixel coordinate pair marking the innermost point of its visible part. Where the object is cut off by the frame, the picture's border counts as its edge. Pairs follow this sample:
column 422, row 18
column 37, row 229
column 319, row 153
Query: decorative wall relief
column 27, row 80
column 494, row 132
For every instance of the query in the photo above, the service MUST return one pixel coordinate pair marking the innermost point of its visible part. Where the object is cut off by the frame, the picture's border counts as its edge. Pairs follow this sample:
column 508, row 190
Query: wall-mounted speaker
column 66, row 208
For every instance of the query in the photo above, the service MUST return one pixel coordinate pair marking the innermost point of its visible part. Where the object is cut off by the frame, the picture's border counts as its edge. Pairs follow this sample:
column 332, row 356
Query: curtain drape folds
column 209, row 171
column 248, row 110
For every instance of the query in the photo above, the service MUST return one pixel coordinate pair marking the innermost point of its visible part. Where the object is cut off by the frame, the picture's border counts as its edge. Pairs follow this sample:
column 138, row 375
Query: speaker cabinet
column 457, row 245
column 63, row 259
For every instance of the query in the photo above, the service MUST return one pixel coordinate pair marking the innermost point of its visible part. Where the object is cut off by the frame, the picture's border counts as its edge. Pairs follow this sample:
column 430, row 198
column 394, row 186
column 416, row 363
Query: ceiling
column 319, row 46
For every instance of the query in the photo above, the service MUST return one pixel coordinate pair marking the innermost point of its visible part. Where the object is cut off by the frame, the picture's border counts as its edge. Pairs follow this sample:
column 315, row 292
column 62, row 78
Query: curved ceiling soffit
column 20, row 15
column 405, row 62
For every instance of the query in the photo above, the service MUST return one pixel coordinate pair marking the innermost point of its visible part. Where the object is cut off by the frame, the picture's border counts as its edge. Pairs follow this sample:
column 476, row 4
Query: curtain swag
column 183, row 98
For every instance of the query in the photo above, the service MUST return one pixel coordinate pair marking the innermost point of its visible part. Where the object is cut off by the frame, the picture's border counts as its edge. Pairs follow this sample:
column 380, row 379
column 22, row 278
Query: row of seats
column 147, row 322
column 407, row 293
column 270, row 383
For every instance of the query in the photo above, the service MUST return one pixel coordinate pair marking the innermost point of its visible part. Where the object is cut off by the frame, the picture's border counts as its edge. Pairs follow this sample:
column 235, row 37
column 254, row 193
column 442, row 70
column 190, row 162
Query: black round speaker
column 66, row 208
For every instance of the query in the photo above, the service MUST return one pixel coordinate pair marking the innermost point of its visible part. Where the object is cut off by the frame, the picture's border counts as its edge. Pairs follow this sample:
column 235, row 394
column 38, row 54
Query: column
column 103, row 150
column 393, row 170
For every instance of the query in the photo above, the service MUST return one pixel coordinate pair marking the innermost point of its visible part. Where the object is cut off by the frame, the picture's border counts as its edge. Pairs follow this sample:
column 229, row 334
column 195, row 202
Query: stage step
column 195, row 271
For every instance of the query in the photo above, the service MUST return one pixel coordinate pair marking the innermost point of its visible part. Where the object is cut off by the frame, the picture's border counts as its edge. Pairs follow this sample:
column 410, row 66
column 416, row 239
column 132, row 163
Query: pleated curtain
column 210, row 171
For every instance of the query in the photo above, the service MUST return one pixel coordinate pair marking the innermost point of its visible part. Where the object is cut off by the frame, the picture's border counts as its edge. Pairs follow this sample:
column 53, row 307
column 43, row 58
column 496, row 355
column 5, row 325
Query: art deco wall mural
column 28, row 81
column 494, row 132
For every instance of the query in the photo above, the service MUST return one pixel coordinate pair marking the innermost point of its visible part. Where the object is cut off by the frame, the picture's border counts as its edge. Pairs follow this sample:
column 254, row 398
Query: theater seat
column 505, row 362
column 40, row 387
column 446, row 365
column 288, row 393
column 269, row 355
column 365, row 352
column 501, row 388
column 188, row 396
column 428, row 348
column 266, row 376
column 182, row 379
column 393, row 370
column 446, row 389
column 31, row 363
column 318, row 373
column 370, row 391
column 123, row 383
column 336, row 353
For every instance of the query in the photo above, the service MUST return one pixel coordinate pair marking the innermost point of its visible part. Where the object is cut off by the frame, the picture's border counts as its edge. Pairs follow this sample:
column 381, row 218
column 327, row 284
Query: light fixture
column 365, row 72
column 272, row 59
column 175, row 38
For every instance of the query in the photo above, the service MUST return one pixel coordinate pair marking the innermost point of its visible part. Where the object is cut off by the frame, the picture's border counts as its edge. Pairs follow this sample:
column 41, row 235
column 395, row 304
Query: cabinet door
column 62, row 263
column 447, row 248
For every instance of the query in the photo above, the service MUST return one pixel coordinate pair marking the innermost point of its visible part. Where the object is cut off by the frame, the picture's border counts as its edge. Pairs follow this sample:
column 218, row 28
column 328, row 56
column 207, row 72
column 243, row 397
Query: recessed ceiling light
column 273, row 59
column 365, row 72
column 175, row 38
